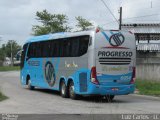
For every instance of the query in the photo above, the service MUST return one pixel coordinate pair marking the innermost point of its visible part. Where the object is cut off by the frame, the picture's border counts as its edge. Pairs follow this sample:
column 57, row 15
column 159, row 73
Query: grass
column 9, row 68
column 146, row 87
column 2, row 97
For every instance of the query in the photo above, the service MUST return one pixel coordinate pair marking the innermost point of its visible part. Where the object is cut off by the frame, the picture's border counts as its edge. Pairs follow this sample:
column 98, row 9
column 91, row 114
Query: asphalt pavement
column 42, row 101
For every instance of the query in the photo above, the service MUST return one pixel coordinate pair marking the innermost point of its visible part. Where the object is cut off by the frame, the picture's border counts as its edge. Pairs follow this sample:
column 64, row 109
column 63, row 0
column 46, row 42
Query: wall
column 148, row 66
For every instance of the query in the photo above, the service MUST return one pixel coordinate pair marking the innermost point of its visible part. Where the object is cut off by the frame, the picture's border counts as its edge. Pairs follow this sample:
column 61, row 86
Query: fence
column 148, row 66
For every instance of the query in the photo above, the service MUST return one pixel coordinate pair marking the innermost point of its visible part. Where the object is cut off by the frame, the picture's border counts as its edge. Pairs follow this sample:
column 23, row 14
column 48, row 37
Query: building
column 148, row 49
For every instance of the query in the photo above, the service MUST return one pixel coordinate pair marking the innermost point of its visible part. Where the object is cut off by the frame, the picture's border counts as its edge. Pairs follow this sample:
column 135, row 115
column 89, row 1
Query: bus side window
column 61, row 47
column 34, row 55
column 51, row 49
column 67, row 48
column 45, row 48
column 74, row 46
column 30, row 51
column 55, row 48
column 83, row 45
column 41, row 49
column 38, row 50
column 23, row 54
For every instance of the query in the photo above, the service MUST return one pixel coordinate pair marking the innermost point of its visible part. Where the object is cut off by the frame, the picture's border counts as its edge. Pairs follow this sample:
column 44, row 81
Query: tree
column 2, row 55
column 51, row 23
column 83, row 24
column 6, row 48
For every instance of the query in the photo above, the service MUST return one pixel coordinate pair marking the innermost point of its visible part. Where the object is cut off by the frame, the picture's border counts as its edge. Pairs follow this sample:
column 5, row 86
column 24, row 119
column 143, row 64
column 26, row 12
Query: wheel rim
column 71, row 90
column 63, row 89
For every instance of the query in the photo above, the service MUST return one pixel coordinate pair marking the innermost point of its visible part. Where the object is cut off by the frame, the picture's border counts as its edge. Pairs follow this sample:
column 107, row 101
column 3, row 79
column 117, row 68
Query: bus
column 86, row 63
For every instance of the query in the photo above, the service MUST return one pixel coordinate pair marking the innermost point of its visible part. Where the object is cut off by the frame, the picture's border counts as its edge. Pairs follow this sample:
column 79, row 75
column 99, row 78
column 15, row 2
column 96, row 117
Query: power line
column 109, row 22
column 136, row 1
column 141, row 16
column 150, row 2
column 141, row 9
column 109, row 11
column 131, row 18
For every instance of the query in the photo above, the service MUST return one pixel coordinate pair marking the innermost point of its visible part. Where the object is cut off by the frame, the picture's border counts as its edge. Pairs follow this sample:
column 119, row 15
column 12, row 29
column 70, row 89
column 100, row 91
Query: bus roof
column 63, row 35
column 58, row 35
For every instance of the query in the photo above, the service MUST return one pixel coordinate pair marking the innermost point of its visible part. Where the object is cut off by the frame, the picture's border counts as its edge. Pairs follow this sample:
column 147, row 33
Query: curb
column 10, row 71
column 146, row 96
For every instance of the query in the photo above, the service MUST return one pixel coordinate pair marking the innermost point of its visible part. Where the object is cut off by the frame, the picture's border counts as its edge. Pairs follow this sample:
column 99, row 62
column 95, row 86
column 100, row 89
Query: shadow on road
column 95, row 99
column 48, row 91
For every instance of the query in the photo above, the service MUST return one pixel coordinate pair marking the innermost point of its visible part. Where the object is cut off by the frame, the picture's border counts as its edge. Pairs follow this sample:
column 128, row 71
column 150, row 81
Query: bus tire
column 72, row 93
column 63, row 90
column 109, row 98
column 29, row 86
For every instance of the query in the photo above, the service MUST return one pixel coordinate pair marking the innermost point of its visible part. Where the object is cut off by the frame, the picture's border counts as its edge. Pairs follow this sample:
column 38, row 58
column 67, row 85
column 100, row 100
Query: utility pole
column 11, row 55
column 11, row 43
column 120, row 18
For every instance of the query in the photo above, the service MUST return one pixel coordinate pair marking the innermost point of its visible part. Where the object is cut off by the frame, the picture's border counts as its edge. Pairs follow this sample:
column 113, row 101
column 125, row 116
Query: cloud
column 18, row 16
column 14, row 3
column 141, row 11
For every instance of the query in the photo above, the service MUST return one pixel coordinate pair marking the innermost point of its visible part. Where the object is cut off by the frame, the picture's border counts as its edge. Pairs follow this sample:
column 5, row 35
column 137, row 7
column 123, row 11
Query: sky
column 18, row 16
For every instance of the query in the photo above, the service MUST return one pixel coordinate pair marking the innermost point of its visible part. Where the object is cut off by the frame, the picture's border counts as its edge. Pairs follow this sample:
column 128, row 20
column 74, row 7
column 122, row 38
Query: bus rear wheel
column 63, row 90
column 29, row 86
column 72, row 93
column 109, row 98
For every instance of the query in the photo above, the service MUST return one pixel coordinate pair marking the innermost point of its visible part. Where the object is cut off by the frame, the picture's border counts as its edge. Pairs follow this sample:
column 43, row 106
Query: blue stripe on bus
column 111, row 32
column 106, row 36
column 112, row 77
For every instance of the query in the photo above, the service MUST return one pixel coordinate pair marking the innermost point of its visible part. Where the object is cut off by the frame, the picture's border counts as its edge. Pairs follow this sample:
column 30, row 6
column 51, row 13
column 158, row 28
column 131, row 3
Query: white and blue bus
column 81, row 63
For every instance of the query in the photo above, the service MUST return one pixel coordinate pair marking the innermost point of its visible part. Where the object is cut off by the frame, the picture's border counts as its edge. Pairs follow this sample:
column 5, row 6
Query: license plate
column 115, row 89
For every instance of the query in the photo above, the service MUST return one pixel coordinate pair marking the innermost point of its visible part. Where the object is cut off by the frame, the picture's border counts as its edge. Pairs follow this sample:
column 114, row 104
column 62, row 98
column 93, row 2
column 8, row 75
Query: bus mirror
column 27, row 58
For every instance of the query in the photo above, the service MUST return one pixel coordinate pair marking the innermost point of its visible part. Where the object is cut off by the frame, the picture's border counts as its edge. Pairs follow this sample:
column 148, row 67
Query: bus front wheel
column 29, row 86
column 63, row 90
column 72, row 93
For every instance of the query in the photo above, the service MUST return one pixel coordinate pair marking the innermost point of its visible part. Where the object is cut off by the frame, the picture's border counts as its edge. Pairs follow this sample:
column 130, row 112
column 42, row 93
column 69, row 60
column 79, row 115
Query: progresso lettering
column 33, row 63
column 115, row 53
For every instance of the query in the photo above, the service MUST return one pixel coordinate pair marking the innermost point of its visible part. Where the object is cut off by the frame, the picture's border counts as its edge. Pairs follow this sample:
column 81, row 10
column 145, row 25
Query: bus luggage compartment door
column 83, row 81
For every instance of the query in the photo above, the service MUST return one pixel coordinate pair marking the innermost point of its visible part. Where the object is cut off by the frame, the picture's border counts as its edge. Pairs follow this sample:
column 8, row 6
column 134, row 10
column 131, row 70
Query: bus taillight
column 94, row 75
column 133, row 76
column 97, row 30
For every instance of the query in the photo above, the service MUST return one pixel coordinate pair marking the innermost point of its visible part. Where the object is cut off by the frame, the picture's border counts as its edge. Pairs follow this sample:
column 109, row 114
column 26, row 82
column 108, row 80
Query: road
column 22, row 100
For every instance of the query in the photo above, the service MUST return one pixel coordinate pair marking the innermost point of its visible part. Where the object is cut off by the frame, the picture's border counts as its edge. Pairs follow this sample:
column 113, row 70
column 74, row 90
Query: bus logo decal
column 116, row 40
column 106, row 36
column 50, row 73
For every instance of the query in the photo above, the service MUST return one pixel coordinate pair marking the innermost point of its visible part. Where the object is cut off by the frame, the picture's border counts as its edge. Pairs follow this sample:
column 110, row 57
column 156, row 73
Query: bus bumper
column 110, row 90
